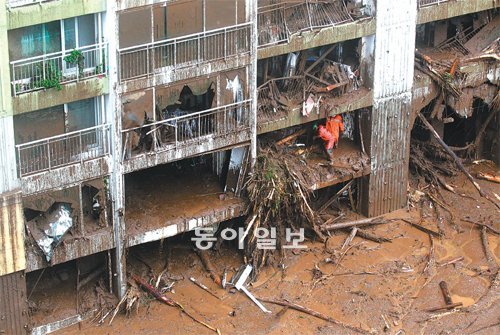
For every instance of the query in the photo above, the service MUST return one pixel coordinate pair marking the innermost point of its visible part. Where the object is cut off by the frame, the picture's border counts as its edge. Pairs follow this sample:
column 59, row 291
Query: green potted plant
column 76, row 58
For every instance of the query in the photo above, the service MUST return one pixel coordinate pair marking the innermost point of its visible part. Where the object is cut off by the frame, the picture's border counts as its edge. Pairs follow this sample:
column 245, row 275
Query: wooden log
column 456, row 159
column 422, row 228
column 446, row 293
column 445, row 308
column 372, row 237
column 349, row 224
column 315, row 314
column 492, row 263
column 291, row 137
column 488, row 177
column 203, row 254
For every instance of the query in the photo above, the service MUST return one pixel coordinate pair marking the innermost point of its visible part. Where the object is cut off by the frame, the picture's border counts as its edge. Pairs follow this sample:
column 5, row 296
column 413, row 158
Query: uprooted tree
column 279, row 199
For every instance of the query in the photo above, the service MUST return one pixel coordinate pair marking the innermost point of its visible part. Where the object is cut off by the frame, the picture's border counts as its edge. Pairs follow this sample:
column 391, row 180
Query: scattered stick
column 482, row 225
column 208, row 266
column 361, row 136
column 203, row 287
column 453, row 261
column 170, row 302
column 422, row 228
column 446, row 293
column 315, row 314
column 349, row 238
column 371, row 237
column 489, row 255
column 456, row 159
column 332, row 199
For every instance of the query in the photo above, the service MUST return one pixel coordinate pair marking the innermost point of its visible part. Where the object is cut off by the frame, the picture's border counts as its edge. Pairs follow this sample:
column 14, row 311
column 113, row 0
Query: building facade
column 98, row 97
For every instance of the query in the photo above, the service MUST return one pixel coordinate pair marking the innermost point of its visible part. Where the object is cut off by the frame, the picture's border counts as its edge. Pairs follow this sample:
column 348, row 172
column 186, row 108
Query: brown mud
column 373, row 286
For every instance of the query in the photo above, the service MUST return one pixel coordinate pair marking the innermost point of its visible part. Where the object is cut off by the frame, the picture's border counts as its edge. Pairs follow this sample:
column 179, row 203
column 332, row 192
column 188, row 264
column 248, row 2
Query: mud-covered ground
column 381, row 287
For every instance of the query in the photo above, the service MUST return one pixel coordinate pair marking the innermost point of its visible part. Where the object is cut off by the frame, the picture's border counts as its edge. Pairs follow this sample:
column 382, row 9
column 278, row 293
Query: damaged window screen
column 132, row 33
column 81, row 114
column 34, row 40
column 39, row 124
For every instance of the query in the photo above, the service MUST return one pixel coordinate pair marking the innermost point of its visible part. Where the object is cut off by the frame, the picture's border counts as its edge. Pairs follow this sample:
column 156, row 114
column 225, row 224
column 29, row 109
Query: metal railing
column 190, row 50
column 61, row 150
column 291, row 88
column 187, row 130
column 19, row 3
column 425, row 3
column 278, row 22
column 51, row 70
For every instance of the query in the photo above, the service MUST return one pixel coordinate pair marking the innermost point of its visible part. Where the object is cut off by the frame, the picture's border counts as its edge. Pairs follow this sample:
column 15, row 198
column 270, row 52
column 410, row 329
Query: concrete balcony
column 64, row 159
column 163, row 62
column 185, row 136
column 434, row 10
column 22, row 13
column 292, row 26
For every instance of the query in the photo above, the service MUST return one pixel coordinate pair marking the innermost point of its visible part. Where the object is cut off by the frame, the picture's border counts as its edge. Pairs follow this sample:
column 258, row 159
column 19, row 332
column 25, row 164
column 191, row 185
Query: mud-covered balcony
column 181, row 40
column 67, row 224
column 309, row 85
column 289, row 26
column 170, row 199
column 188, row 119
column 67, row 144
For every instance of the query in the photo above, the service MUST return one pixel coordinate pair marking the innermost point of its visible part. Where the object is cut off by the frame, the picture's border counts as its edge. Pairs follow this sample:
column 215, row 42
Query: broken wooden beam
column 492, row 263
column 291, row 137
column 446, row 292
column 422, row 228
column 332, row 199
column 445, row 308
column 488, row 177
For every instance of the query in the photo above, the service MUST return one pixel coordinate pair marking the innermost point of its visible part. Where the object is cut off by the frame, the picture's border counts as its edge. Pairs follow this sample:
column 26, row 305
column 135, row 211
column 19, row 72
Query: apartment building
column 116, row 113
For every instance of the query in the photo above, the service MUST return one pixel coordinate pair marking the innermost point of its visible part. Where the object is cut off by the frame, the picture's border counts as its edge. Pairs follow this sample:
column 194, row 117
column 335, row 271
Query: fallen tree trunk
column 456, row 159
column 315, row 314
column 170, row 302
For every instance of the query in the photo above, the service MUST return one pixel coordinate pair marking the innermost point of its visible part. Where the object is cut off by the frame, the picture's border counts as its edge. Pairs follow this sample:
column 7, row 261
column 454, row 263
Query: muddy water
column 369, row 283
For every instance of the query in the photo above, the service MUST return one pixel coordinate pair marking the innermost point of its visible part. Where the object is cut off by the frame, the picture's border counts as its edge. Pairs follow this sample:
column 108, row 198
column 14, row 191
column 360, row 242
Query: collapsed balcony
column 460, row 56
column 67, row 224
column 309, row 85
column 279, row 22
column 182, row 123
column 170, row 199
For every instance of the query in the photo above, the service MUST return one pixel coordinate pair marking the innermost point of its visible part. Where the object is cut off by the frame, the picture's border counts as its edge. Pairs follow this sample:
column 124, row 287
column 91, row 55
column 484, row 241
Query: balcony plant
column 52, row 76
column 75, row 58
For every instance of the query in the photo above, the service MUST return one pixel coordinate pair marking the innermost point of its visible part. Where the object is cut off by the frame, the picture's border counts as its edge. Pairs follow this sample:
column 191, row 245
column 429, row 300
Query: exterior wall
column 454, row 8
column 392, row 94
column 13, row 305
column 12, row 257
column 37, row 13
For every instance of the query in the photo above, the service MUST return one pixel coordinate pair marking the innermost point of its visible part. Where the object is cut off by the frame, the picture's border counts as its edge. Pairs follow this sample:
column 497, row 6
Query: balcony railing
column 425, row 3
column 186, row 51
column 51, row 70
column 278, row 22
column 61, row 150
column 188, row 130
column 19, row 3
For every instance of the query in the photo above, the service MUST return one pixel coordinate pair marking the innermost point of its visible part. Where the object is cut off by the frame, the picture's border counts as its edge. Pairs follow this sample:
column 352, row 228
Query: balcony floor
column 165, row 201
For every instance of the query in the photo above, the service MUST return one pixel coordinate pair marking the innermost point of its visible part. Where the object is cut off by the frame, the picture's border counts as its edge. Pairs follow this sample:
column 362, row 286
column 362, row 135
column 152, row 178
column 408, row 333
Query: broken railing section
column 425, row 3
column 62, row 150
column 324, row 78
column 278, row 22
column 191, row 129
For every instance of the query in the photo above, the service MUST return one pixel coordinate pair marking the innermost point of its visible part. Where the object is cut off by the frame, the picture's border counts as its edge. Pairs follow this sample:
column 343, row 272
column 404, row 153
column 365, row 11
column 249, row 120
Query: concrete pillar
column 251, row 6
column 117, row 188
column 392, row 91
